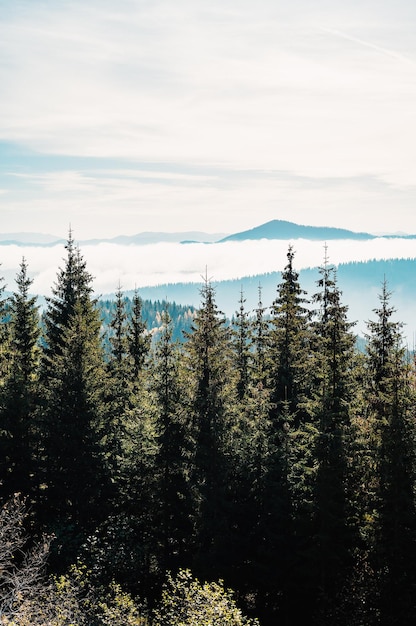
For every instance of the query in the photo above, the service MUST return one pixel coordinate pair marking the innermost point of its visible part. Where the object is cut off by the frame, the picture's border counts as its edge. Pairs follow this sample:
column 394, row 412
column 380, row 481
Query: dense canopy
column 264, row 454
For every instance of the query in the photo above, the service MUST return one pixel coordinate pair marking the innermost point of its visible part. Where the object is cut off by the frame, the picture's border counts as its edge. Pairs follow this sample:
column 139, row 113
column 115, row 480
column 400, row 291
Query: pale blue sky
column 121, row 116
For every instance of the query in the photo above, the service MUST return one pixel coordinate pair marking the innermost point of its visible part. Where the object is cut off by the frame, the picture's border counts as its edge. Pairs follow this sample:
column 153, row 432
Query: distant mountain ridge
column 275, row 229
column 159, row 237
column 281, row 229
column 145, row 238
column 29, row 239
column 360, row 283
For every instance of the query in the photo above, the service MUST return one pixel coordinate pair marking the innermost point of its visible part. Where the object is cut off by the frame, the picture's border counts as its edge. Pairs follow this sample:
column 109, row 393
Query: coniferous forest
column 142, row 480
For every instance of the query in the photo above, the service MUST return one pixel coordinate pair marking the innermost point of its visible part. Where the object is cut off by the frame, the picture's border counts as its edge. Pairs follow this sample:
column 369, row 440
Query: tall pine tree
column 4, row 333
column 210, row 375
column 174, row 515
column 392, row 417
column 73, row 377
column 138, row 339
column 19, row 392
column 286, row 367
column 242, row 341
column 333, row 362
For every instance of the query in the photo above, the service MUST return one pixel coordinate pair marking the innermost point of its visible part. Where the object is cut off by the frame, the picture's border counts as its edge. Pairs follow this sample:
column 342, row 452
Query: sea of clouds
column 136, row 266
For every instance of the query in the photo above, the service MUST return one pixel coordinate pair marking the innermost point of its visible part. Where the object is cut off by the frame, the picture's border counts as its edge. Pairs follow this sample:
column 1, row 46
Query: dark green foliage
column 125, row 394
column 128, row 445
column 289, row 342
column 333, row 361
column 174, row 514
column 20, row 388
column 118, row 333
column 268, row 452
column 4, row 331
column 260, row 332
column 119, row 399
column 74, row 415
column 71, row 413
column 151, row 312
column 209, row 361
column 287, row 351
column 242, row 347
column 391, row 410
column 73, row 285
column 138, row 341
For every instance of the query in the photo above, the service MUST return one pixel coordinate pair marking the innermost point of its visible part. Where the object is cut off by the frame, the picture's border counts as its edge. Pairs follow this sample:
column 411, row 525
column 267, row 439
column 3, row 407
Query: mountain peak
column 281, row 229
column 29, row 238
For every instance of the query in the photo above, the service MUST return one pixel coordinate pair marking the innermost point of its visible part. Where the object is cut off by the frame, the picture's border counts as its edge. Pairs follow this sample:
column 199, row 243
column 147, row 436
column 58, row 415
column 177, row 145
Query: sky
column 125, row 116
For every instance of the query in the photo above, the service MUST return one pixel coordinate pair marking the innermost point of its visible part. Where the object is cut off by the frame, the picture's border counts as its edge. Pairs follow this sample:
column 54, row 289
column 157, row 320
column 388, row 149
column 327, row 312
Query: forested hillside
column 151, row 313
column 269, row 454
column 359, row 281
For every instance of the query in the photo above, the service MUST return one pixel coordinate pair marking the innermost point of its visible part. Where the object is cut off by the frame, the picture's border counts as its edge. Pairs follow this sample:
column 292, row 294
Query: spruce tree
column 392, row 505
column 141, row 419
column 173, row 515
column 118, row 332
column 138, row 339
column 123, row 545
column 260, row 334
column 333, row 364
column 289, row 341
column 119, row 400
column 73, row 378
column 246, row 545
column 19, row 390
column 242, row 341
column 210, row 374
column 287, row 364
column 73, row 285
column 4, row 333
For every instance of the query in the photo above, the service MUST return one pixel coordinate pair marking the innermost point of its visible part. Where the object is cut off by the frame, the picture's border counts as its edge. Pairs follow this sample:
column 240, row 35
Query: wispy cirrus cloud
column 323, row 96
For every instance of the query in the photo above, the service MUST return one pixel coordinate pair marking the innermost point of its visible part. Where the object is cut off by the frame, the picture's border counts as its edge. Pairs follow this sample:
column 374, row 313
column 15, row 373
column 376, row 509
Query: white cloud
column 323, row 91
column 105, row 203
column 141, row 266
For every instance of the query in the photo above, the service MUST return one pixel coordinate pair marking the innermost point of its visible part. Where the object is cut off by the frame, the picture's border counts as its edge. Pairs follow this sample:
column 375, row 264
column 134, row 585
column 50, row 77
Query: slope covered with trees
column 361, row 282
column 266, row 453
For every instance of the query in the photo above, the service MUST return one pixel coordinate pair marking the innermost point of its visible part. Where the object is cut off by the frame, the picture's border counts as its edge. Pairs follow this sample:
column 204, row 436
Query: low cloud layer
column 155, row 264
